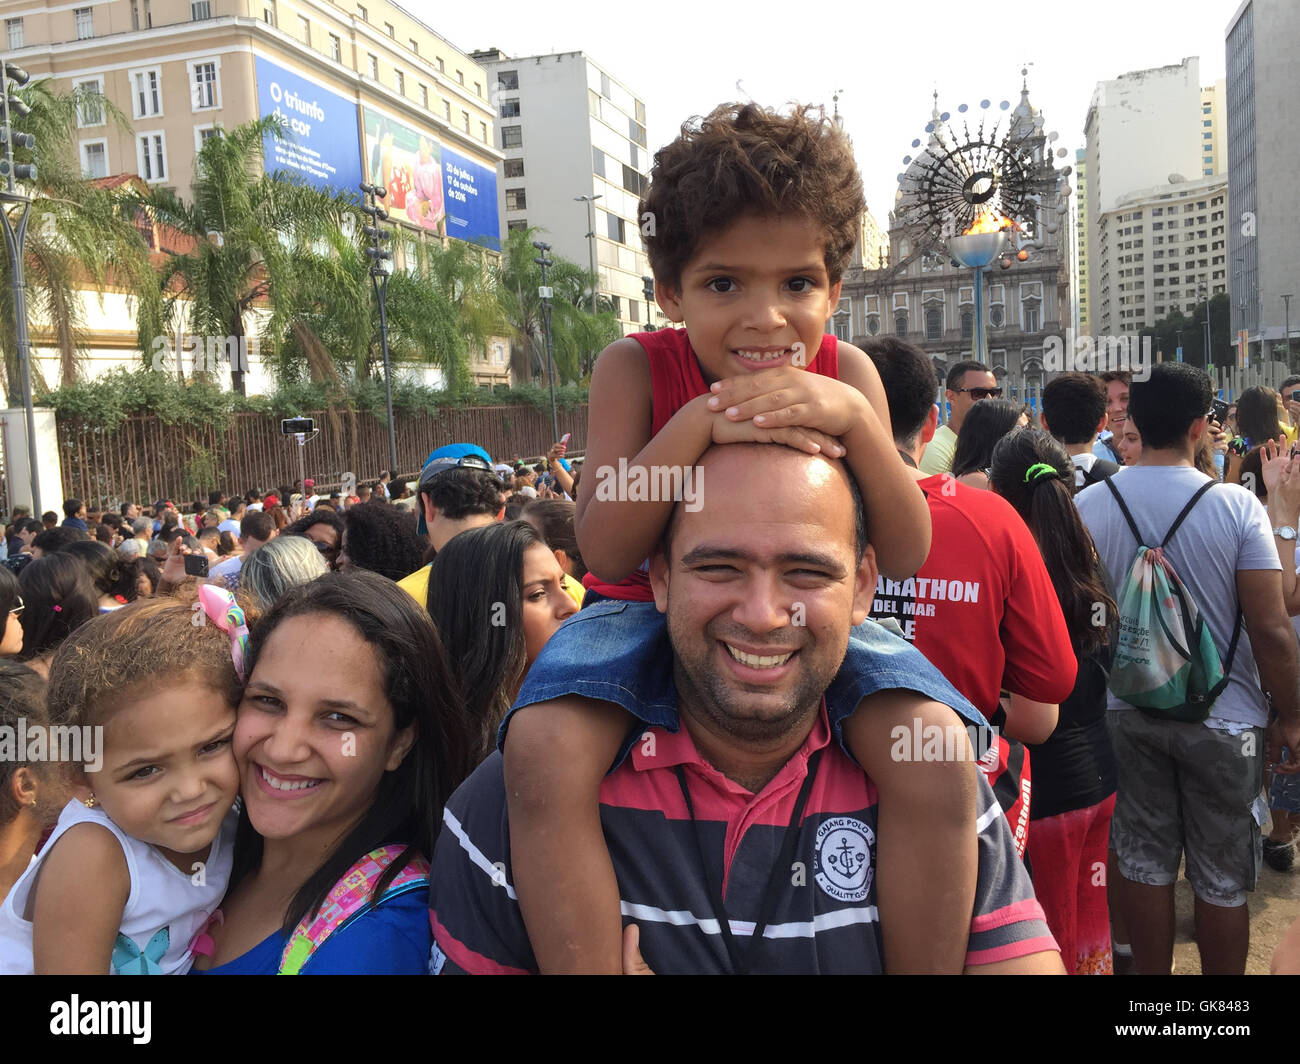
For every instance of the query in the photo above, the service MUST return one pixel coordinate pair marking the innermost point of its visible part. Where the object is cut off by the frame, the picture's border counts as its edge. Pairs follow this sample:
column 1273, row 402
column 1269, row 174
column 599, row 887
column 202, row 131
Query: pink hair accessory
column 221, row 609
column 58, row 609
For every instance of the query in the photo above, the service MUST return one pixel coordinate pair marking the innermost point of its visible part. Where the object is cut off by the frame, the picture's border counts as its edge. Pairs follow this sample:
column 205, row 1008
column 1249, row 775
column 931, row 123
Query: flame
column 988, row 221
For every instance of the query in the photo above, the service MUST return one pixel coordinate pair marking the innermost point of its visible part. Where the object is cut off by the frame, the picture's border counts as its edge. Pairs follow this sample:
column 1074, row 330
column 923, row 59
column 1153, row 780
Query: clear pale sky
column 683, row 58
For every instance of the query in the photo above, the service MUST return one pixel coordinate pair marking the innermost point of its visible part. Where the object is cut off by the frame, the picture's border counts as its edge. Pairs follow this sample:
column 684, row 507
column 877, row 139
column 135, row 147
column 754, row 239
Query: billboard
column 320, row 145
column 408, row 163
column 470, row 191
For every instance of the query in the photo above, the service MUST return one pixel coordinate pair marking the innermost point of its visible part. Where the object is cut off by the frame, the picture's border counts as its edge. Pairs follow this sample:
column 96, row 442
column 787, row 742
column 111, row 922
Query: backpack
column 1101, row 470
column 349, row 899
column 1166, row 663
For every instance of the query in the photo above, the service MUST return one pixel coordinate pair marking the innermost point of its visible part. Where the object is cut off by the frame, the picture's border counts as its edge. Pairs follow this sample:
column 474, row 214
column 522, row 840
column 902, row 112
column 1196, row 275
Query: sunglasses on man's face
column 981, row 393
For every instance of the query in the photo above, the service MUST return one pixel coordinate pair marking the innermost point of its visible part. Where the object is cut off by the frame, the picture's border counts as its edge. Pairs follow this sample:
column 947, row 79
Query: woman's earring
column 90, row 802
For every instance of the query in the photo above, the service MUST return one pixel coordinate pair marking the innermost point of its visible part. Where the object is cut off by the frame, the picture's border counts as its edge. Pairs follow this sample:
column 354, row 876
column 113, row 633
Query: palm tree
column 254, row 237
column 77, row 236
column 575, row 332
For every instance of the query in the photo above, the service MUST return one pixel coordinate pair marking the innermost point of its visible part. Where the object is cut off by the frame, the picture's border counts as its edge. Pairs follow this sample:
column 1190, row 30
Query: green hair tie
column 1038, row 470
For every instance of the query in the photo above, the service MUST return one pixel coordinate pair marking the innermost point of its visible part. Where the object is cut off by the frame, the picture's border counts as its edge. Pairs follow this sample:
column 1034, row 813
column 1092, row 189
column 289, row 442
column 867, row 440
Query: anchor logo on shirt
column 843, row 863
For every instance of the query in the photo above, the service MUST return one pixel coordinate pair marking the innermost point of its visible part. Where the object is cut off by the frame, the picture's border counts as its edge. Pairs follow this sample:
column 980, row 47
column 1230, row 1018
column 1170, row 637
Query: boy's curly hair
column 151, row 642
column 746, row 159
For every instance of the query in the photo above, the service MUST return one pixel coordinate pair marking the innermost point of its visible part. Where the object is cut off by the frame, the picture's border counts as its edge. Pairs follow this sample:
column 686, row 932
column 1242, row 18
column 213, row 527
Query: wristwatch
column 1285, row 532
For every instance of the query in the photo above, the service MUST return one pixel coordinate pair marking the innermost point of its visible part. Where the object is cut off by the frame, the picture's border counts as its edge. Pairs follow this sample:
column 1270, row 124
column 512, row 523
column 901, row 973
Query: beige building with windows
column 370, row 93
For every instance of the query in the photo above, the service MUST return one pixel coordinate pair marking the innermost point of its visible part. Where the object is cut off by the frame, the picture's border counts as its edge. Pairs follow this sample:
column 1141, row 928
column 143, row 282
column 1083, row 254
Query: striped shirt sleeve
column 1008, row 921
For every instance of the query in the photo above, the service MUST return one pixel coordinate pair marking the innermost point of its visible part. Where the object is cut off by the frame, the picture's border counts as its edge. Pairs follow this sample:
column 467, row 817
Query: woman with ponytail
column 1074, row 769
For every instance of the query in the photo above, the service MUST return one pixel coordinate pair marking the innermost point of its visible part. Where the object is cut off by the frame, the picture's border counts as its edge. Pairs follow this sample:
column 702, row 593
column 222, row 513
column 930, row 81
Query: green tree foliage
column 576, row 334
column 1165, row 334
column 77, row 234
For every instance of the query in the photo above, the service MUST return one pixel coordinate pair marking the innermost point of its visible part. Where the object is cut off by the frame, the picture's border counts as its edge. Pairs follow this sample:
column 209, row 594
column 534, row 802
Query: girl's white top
column 165, row 910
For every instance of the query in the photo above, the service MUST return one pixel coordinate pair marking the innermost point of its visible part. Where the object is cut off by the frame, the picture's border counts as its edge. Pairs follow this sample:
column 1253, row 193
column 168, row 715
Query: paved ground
column 1273, row 907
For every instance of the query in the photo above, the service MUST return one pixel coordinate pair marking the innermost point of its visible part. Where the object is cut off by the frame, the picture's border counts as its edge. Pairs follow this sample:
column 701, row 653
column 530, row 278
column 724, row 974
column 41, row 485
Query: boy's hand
column 807, row 440
column 786, row 397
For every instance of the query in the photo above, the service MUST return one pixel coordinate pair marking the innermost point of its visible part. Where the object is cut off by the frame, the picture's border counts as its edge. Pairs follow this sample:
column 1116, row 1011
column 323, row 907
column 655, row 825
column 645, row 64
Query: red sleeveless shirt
column 676, row 379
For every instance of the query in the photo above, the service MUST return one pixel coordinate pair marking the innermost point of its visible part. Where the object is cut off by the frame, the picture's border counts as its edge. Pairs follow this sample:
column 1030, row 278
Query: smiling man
column 742, row 835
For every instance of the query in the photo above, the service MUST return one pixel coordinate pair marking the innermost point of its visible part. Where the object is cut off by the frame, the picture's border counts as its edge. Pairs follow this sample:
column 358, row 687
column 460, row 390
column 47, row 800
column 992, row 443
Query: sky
column 886, row 60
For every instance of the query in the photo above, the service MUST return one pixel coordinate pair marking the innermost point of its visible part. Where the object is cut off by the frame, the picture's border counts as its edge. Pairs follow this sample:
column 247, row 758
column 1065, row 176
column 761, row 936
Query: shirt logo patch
column 842, row 864
column 436, row 959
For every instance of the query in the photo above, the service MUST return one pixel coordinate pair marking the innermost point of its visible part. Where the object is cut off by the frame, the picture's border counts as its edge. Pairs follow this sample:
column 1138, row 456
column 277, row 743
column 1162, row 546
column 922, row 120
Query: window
column 442, row 67
column 336, row 48
column 997, row 316
column 1207, row 123
column 873, row 325
column 900, row 324
column 399, row 82
column 94, row 158
column 268, row 12
column 363, row 14
column 414, row 45
column 151, row 154
column 511, row 136
column 482, row 132
column 388, row 29
column 1031, row 317
column 518, row 225
column 516, row 199
column 374, row 65
column 147, row 95
column 967, row 325
column 934, row 324
column 460, row 76
column 424, row 96
column 507, row 79
column 446, row 110
column 85, row 21
column 14, row 27
column 90, row 108
column 598, row 161
column 464, row 121
column 199, row 10
column 204, row 91
column 605, row 89
column 203, row 134
column 615, row 228
column 304, row 29
column 509, row 108
column 514, row 167
column 478, row 89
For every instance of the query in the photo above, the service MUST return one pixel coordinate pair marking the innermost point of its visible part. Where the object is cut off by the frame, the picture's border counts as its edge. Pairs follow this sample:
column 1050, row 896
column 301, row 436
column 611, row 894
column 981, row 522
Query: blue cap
column 439, row 461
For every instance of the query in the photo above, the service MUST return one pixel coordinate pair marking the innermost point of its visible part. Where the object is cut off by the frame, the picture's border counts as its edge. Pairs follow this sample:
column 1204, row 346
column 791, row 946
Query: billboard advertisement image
column 321, row 144
column 470, row 190
column 408, row 163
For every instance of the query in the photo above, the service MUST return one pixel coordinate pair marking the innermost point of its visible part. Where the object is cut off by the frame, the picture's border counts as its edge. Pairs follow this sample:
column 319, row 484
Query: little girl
column 142, row 853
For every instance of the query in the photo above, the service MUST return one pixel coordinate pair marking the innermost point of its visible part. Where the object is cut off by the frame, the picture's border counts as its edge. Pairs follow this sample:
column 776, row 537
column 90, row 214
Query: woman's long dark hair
column 555, row 519
column 986, row 423
column 1257, row 420
column 383, row 539
column 58, row 598
column 476, row 601
column 9, row 596
column 421, row 688
column 103, row 563
column 1046, row 502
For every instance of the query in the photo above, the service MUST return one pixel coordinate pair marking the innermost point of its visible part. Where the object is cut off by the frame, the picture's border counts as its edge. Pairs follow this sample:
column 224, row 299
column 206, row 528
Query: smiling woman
column 349, row 739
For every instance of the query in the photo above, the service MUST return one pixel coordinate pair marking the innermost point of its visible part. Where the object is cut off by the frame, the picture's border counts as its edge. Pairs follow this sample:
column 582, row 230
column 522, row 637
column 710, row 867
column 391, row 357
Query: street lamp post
column 1209, row 355
column 1286, row 302
column 545, row 292
column 648, row 286
column 15, row 240
column 591, row 240
column 381, row 267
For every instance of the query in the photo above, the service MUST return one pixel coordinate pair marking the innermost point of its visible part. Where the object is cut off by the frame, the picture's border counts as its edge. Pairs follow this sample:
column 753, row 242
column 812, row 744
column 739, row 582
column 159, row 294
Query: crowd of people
column 850, row 706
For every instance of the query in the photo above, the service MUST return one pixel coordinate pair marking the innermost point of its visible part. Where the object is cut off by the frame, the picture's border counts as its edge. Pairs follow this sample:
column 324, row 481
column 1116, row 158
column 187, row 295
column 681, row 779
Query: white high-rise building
column 1263, row 83
column 1143, row 132
column 570, row 129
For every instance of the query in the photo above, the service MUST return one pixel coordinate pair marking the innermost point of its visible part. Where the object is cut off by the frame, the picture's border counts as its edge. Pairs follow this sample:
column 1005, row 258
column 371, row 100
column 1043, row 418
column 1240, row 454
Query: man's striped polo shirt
column 824, row 919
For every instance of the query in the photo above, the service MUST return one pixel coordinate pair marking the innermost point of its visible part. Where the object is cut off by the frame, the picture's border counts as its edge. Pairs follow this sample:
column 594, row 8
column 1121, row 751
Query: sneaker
column 1279, row 856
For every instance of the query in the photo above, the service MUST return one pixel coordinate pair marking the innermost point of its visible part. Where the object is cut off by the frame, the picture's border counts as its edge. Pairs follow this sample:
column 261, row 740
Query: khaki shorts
column 1187, row 789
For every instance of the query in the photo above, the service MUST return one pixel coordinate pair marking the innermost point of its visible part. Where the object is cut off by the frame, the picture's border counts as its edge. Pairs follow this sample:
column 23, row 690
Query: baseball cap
column 452, row 456
column 309, row 483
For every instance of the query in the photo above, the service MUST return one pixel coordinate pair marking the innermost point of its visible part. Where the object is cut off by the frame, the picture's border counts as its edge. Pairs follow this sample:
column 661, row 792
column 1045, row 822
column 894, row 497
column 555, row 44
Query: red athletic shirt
column 982, row 609
column 676, row 379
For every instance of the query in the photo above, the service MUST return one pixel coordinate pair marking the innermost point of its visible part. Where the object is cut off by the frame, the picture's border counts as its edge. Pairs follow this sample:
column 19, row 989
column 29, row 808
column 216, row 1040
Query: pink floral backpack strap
column 350, row 898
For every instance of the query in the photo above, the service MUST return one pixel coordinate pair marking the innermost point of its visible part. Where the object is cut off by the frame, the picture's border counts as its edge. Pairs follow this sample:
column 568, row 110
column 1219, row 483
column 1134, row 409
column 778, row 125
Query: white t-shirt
column 1228, row 531
column 229, row 525
column 1083, row 463
column 164, row 910
column 253, row 506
